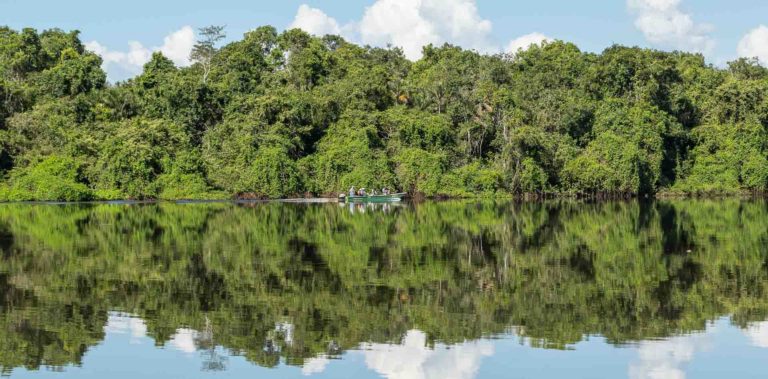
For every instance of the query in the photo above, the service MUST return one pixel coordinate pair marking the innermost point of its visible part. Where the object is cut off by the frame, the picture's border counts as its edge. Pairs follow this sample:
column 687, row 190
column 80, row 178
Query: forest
column 286, row 114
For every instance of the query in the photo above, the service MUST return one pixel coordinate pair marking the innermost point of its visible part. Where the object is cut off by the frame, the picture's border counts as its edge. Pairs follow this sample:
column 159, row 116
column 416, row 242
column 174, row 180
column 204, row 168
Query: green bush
column 420, row 171
column 349, row 154
column 477, row 178
column 532, row 177
column 273, row 174
column 137, row 153
column 175, row 186
column 4, row 192
column 727, row 159
column 228, row 150
column 108, row 194
column 754, row 172
column 452, row 184
column 54, row 178
column 612, row 164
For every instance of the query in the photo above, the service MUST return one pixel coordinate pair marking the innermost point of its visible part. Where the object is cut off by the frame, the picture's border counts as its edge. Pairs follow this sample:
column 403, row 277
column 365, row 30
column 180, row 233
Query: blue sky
column 722, row 30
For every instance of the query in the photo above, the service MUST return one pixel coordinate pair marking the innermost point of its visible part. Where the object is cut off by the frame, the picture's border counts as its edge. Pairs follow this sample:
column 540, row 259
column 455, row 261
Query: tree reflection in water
column 303, row 283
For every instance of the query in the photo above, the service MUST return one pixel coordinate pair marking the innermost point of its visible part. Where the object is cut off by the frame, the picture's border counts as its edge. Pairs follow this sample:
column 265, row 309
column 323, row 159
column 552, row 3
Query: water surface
column 460, row 289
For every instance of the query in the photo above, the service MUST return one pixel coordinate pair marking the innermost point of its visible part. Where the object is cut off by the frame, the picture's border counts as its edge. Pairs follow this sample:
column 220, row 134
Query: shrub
column 610, row 163
column 726, row 159
column 175, row 186
column 419, row 171
column 532, row 177
column 478, row 178
column 349, row 154
column 4, row 192
column 273, row 174
column 54, row 178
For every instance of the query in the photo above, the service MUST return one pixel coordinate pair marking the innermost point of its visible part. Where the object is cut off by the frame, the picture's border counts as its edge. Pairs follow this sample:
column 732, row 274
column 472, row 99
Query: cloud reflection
column 184, row 340
column 413, row 359
column 120, row 323
column 314, row 365
column 665, row 359
column 758, row 334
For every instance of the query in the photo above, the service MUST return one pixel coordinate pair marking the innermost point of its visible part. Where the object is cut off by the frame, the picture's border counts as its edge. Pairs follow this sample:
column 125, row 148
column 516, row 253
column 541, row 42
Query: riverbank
column 528, row 197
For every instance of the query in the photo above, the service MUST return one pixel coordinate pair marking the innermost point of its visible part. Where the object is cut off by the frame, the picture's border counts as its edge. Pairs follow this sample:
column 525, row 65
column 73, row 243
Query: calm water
column 435, row 290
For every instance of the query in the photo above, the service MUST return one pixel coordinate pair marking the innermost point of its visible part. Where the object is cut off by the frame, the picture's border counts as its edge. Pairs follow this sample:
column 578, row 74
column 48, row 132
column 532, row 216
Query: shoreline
column 415, row 199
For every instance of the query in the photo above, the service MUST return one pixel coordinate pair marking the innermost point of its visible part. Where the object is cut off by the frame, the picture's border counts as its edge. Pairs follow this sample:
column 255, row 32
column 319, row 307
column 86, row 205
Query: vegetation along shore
column 288, row 114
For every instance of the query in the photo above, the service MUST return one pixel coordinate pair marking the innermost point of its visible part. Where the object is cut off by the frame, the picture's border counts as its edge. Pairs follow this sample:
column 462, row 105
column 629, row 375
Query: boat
column 392, row 197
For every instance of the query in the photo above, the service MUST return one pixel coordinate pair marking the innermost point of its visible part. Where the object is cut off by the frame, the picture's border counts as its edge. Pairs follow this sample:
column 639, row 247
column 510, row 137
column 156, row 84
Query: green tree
column 205, row 49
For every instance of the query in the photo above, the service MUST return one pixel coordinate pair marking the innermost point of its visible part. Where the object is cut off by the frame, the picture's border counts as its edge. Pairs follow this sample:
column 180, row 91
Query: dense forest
column 558, row 271
column 288, row 114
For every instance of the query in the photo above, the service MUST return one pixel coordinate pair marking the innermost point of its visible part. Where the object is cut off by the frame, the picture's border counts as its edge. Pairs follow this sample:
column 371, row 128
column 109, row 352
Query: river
column 456, row 289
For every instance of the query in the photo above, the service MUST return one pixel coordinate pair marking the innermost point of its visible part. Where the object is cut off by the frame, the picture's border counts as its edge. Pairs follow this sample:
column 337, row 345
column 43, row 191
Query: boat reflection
column 371, row 207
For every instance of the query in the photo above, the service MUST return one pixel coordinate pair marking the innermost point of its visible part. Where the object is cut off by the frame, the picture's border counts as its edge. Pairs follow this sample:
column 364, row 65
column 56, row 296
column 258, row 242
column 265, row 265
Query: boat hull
column 373, row 198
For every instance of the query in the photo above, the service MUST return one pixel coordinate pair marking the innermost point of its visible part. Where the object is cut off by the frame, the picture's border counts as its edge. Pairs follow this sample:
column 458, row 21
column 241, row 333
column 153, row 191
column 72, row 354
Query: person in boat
column 352, row 191
column 385, row 191
column 361, row 192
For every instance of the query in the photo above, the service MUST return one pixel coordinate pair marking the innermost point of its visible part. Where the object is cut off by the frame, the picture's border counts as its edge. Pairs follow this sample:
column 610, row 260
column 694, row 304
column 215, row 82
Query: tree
column 205, row 49
column 283, row 113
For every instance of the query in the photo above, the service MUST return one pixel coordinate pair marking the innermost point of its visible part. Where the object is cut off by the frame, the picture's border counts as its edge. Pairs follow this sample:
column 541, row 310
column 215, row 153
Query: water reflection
column 758, row 334
column 412, row 291
column 371, row 207
column 666, row 358
column 414, row 358
column 119, row 323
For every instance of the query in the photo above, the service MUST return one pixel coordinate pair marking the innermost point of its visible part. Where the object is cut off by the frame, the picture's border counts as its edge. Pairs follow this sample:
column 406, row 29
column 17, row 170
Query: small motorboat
column 392, row 197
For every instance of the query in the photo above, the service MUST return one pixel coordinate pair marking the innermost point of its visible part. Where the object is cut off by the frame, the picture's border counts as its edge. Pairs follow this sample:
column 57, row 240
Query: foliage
column 137, row 153
column 350, row 154
column 532, row 177
column 280, row 114
column 205, row 49
column 420, row 171
column 53, row 178
column 727, row 157
column 274, row 173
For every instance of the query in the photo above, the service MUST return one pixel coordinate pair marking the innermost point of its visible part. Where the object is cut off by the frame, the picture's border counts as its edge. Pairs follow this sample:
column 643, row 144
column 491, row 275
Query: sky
column 125, row 33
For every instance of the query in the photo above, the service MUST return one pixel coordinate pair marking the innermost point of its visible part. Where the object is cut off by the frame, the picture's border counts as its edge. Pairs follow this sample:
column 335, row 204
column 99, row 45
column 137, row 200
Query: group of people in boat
column 363, row 192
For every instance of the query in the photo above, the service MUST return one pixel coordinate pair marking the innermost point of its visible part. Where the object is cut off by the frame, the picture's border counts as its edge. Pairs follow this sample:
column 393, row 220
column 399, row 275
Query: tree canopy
column 279, row 114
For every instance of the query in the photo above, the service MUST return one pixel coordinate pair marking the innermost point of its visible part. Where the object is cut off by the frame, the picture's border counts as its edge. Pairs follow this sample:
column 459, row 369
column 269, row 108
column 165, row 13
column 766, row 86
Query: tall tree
column 205, row 48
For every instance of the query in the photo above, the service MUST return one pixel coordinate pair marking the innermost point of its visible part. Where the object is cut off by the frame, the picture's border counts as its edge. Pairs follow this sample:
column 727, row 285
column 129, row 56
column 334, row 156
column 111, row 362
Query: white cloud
column 136, row 55
column 314, row 365
column 314, row 21
column 184, row 340
column 118, row 323
column 176, row 46
column 524, row 42
column 409, row 24
column 662, row 22
column 413, row 359
column 755, row 44
column 758, row 334
column 665, row 359
column 412, row 24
